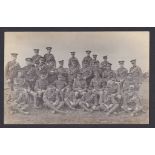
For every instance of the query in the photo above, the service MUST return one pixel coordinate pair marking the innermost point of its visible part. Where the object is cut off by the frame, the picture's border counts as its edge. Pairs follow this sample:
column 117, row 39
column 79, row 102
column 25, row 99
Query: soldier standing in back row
column 29, row 73
column 121, row 73
column 36, row 57
column 104, row 63
column 49, row 57
column 62, row 71
column 87, row 73
column 11, row 70
column 95, row 65
column 74, row 68
column 95, row 61
column 136, row 72
column 41, row 68
column 87, row 59
column 73, row 58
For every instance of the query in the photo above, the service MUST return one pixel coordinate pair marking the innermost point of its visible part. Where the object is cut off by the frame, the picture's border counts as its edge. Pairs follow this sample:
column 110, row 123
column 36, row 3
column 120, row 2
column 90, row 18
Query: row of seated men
column 91, row 87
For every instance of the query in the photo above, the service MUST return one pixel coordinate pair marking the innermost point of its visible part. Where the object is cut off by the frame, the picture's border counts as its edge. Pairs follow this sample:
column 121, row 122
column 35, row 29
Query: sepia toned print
column 76, row 77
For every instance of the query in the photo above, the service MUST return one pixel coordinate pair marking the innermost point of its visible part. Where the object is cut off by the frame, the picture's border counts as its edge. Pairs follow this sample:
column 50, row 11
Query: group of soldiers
column 94, row 86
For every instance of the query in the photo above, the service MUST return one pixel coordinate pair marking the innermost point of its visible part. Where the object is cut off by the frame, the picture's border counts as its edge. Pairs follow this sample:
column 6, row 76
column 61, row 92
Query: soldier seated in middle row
column 60, row 86
column 79, row 88
column 19, row 97
column 97, row 86
column 39, row 89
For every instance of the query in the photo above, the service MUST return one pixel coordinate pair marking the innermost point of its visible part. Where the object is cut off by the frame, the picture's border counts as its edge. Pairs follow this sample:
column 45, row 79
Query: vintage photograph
column 95, row 77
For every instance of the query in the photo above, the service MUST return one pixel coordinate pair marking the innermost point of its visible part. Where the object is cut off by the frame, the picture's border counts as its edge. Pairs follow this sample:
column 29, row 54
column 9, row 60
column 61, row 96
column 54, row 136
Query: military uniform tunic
column 87, row 60
column 108, row 74
column 104, row 64
column 20, row 94
column 112, row 88
column 122, row 73
column 35, row 59
column 72, row 73
column 127, row 84
column 136, row 74
column 95, row 63
column 97, row 84
column 79, row 84
column 41, row 84
column 41, row 69
column 50, row 95
column 87, row 74
column 63, row 71
column 30, row 75
column 11, row 70
column 50, row 58
column 70, row 62
column 52, row 74
column 60, row 84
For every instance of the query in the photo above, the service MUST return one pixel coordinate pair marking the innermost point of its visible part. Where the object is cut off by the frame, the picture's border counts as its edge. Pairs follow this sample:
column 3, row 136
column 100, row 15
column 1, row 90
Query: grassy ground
column 44, row 116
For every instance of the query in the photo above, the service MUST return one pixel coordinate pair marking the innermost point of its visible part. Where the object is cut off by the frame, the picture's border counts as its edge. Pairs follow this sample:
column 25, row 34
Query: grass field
column 44, row 116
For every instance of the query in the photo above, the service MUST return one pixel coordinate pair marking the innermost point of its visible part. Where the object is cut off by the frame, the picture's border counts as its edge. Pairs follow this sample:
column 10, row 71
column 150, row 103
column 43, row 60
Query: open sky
column 123, row 45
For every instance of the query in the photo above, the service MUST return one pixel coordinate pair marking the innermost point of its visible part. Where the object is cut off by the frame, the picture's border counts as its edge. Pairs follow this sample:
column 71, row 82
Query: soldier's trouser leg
column 125, row 100
column 55, row 108
column 96, row 98
column 62, row 94
column 10, row 84
column 115, row 103
column 113, row 109
column 83, row 106
column 138, row 106
column 60, row 105
column 101, row 97
column 68, row 103
column 35, row 98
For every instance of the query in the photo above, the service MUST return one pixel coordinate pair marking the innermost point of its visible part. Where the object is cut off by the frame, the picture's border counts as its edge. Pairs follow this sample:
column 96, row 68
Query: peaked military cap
column 94, row 55
column 60, row 76
column 48, row 48
column 132, row 86
column 14, row 54
column 121, row 62
column 134, row 60
column 72, row 53
column 61, row 61
column 28, row 59
column 88, row 51
column 105, row 57
column 36, row 50
column 109, row 64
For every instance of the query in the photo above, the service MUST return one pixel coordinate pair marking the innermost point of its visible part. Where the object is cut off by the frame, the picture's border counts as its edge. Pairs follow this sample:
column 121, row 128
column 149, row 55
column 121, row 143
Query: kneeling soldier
column 51, row 101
